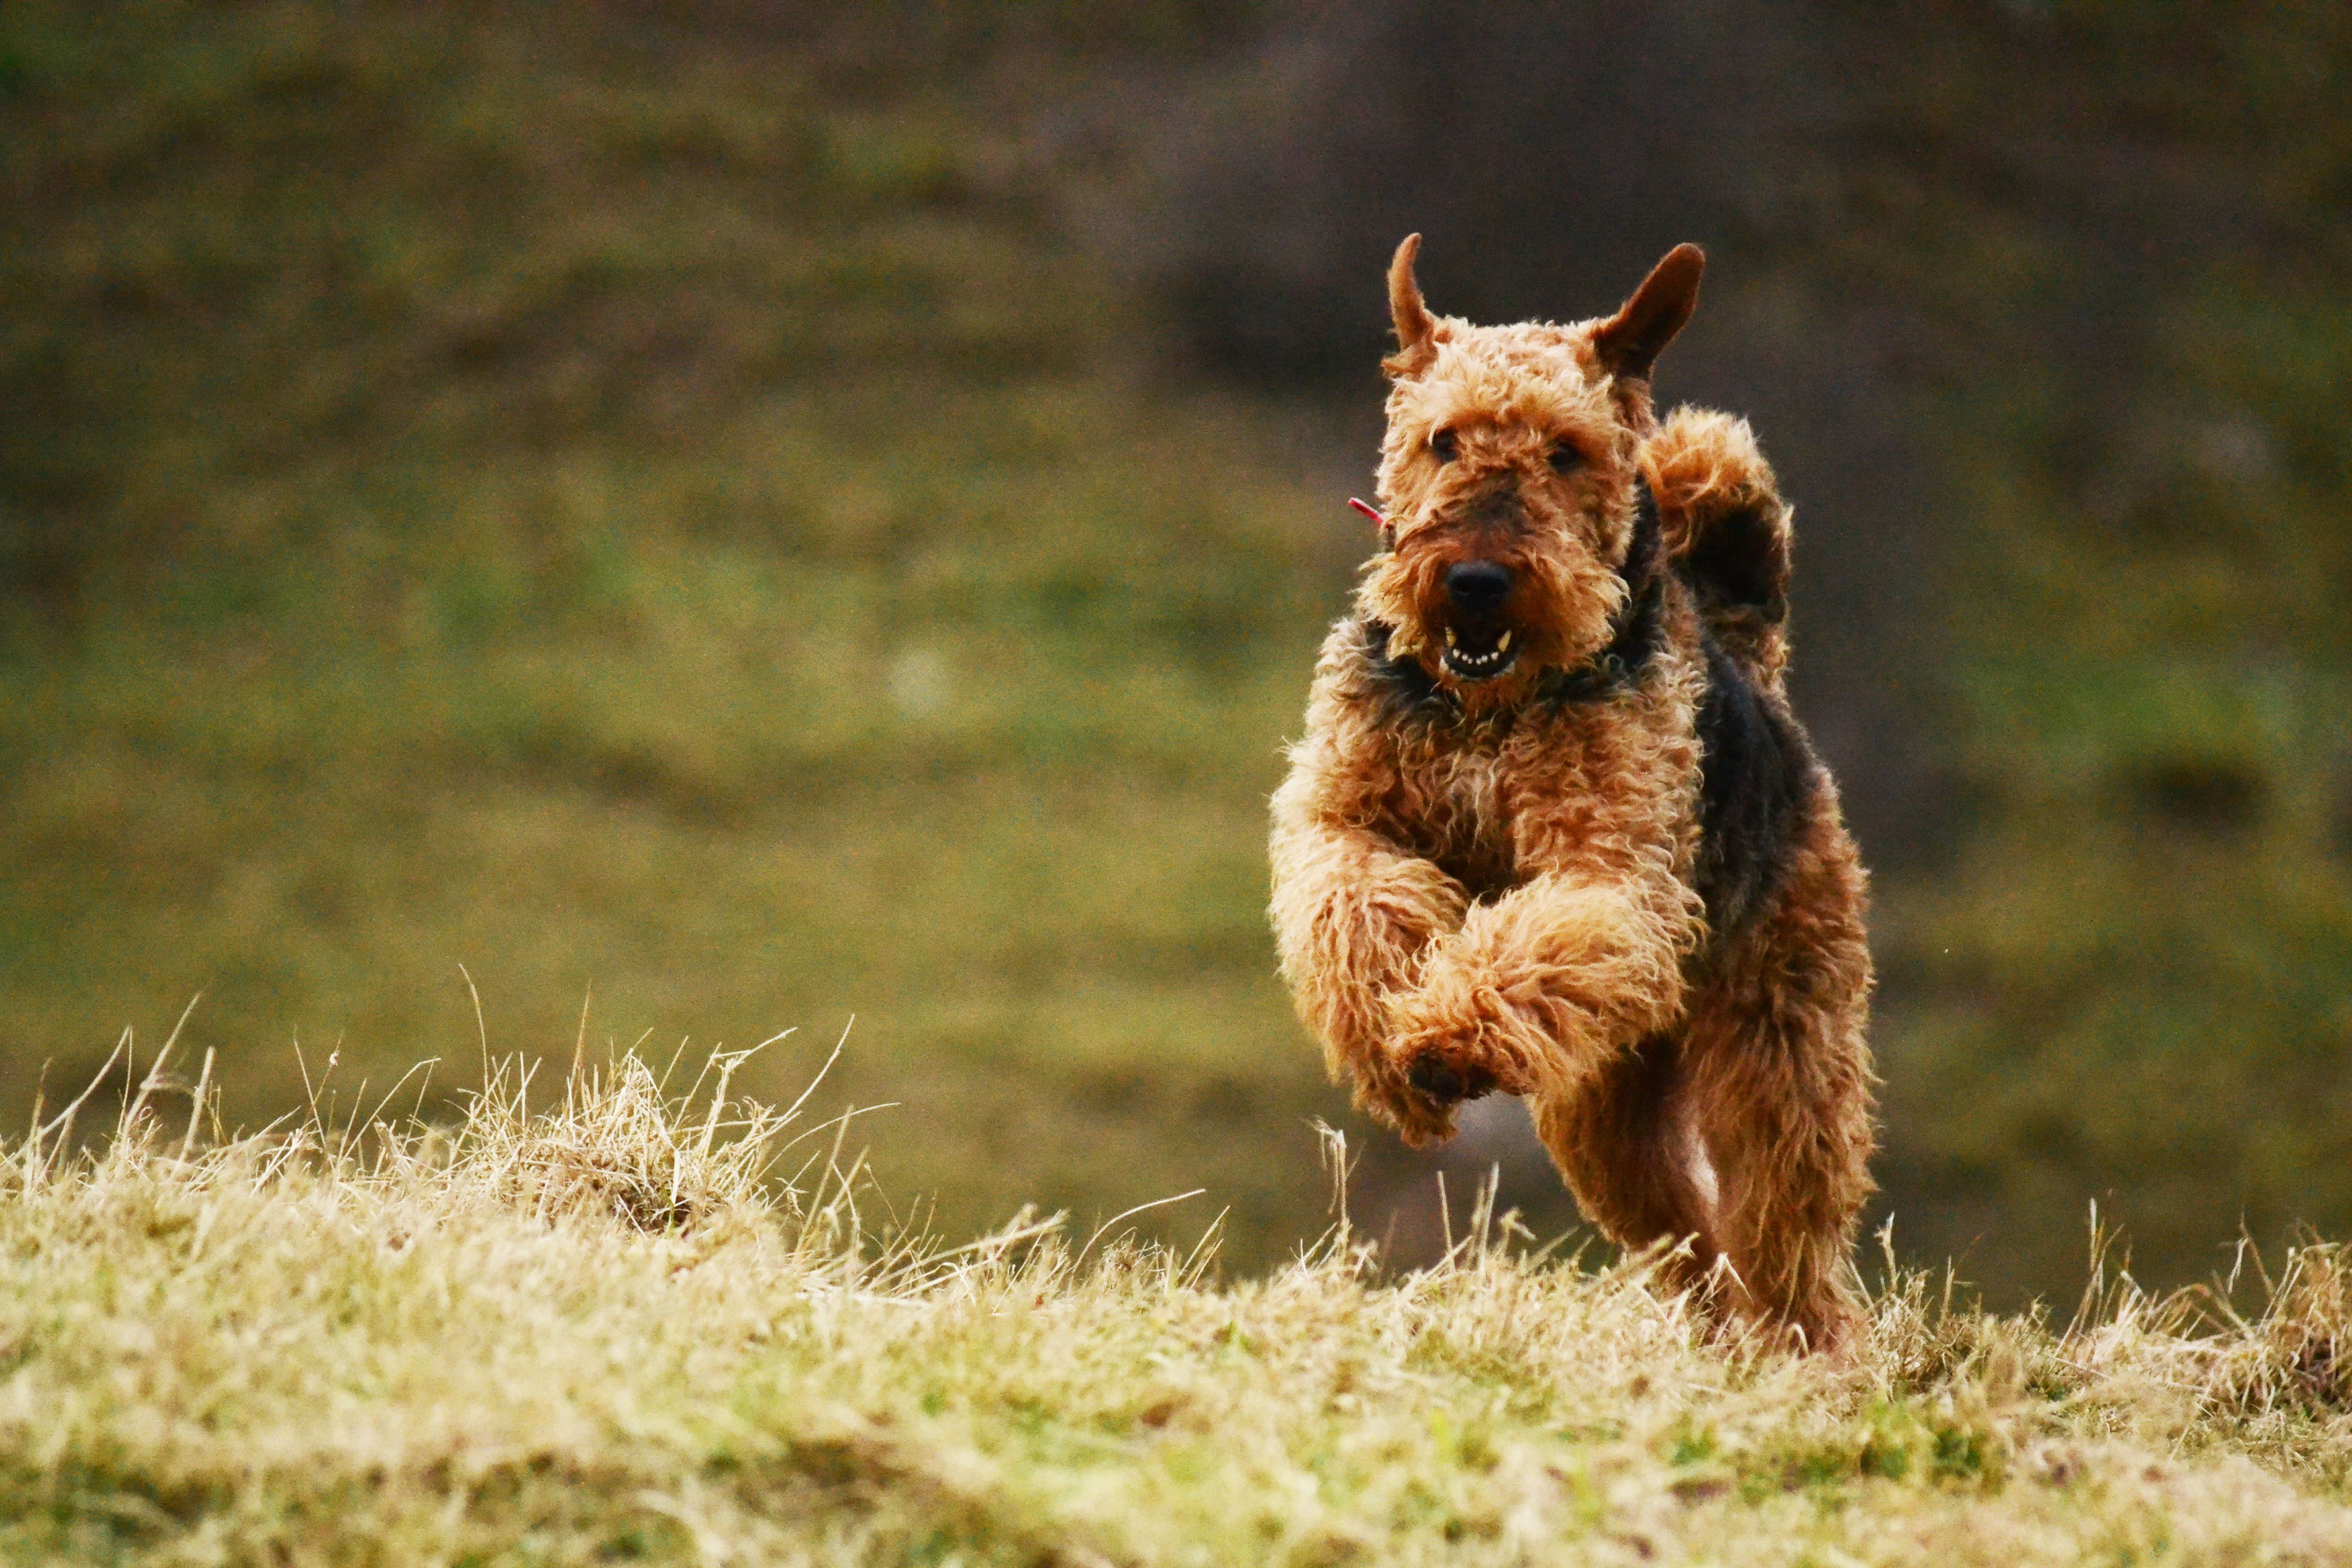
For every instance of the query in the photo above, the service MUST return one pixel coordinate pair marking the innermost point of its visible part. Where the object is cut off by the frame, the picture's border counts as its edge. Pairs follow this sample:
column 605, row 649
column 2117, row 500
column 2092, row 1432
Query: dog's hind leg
column 1627, row 1145
column 1781, row 1084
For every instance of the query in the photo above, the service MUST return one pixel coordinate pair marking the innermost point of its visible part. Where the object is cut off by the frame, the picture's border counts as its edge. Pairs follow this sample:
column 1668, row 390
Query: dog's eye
column 1446, row 445
column 1565, row 459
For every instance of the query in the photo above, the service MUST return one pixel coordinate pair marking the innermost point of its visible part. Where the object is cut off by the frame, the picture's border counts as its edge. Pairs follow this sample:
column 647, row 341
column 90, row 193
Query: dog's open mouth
column 1478, row 657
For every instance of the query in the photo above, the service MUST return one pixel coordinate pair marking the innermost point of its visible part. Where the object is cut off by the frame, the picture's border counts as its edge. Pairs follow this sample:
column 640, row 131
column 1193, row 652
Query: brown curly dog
column 1552, row 829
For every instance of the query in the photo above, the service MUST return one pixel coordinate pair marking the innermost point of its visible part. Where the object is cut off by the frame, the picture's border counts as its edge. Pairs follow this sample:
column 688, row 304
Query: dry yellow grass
column 626, row 1323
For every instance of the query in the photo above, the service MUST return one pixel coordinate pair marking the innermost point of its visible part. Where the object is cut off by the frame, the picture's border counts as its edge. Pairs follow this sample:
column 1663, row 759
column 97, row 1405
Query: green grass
column 596, row 1322
column 647, row 520
column 1005, row 805
column 697, row 510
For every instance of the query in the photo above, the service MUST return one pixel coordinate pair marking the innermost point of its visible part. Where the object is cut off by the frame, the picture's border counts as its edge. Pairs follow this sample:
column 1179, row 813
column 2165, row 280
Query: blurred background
column 718, row 518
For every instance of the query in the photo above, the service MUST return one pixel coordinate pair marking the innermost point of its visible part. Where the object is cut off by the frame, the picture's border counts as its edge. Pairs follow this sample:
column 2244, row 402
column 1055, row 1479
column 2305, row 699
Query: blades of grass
column 1101, row 1229
column 197, row 1105
column 481, row 1025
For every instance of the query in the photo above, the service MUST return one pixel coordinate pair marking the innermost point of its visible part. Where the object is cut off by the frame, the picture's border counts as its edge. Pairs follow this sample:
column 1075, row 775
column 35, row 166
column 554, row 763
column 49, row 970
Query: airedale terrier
column 1552, row 829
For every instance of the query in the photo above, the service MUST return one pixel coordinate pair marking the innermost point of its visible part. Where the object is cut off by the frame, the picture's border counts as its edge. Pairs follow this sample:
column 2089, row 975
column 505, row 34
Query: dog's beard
column 1560, row 618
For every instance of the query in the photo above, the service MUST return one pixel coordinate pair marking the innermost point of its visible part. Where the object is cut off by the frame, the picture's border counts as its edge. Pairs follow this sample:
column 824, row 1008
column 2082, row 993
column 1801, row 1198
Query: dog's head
column 1509, row 479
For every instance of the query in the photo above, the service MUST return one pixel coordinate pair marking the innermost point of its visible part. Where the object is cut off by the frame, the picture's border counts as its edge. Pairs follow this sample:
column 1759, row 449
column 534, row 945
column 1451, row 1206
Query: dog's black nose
column 1478, row 586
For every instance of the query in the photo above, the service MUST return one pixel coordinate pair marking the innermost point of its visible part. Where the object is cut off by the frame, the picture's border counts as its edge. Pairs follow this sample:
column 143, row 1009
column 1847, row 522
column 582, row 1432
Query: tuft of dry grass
column 628, row 1322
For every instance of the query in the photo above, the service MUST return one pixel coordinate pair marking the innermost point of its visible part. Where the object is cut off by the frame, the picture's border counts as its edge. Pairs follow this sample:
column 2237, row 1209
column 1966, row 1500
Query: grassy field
column 969, row 801
column 655, row 522
column 600, row 1321
column 709, row 511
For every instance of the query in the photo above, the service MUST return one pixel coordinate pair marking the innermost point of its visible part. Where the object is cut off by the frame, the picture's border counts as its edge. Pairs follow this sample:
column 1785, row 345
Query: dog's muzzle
column 1477, row 637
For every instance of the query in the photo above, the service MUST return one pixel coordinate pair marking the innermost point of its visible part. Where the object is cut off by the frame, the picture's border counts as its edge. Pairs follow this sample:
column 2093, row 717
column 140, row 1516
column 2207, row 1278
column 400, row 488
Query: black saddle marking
column 1755, row 771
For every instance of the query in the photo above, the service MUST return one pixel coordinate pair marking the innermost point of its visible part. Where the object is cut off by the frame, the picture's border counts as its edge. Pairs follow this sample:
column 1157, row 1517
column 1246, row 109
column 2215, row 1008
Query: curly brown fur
column 1552, row 829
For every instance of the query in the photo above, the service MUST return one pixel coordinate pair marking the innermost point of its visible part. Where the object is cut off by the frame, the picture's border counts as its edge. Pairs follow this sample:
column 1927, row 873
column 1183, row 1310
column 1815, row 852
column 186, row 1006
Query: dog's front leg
column 1538, row 989
column 1354, row 917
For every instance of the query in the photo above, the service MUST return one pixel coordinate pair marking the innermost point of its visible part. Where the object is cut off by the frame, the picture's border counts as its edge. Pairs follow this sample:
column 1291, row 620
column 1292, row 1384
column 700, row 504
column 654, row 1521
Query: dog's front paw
column 1418, row 1095
column 1447, row 1082
column 1421, row 1120
column 1446, row 1054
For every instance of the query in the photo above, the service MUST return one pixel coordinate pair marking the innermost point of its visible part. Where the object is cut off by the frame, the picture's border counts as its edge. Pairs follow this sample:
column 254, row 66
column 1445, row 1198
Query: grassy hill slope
column 648, row 511
column 591, row 1333
column 702, row 509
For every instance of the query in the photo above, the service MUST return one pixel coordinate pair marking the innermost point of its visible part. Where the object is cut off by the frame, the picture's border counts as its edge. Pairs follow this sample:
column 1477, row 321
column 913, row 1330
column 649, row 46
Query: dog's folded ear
column 1416, row 332
column 1630, row 342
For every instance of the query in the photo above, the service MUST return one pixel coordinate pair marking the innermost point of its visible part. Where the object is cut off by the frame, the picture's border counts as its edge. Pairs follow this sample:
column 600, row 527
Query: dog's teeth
column 1449, row 637
column 1504, row 645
